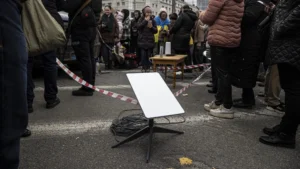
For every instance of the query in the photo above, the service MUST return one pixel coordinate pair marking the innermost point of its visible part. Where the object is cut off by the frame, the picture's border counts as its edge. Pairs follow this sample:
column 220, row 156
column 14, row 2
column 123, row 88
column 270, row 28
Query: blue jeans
column 13, row 106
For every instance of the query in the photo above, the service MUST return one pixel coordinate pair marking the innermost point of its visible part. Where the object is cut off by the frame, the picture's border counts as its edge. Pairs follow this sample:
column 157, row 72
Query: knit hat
column 162, row 10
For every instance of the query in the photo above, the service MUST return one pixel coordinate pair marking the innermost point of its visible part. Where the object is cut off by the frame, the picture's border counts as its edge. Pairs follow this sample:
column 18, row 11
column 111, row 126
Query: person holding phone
column 109, row 30
column 147, row 28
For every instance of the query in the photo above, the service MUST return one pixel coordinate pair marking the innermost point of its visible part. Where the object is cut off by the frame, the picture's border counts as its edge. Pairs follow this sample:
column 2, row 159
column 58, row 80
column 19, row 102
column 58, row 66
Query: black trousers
column 223, row 59
column 13, row 81
column 290, row 83
column 248, row 95
column 198, row 54
column 50, row 78
column 188, row 59
column 145, row 55
column 213, row 68
column 83, row 44
column 106, row 53
column 135, row 49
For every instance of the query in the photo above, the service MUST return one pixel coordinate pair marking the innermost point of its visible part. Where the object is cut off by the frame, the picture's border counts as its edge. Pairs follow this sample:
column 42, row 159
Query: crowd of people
column 241, row 34
column 144, row 34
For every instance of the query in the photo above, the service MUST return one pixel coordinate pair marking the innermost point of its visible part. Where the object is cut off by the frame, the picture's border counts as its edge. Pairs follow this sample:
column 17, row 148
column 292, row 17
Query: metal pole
column 173, row 6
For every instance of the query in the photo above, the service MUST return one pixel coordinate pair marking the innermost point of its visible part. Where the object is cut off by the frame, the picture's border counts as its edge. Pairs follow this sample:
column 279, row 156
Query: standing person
column 173, row 18
column 182, row 33
column 162, row 18
column 199, row 40
column 109, row 31
column 147, row 28
column 49, row 65
column 83, row 33
column 119, row 18
column 13, row 67
column 245, row 65
column 284, row 50
column 224, row 37
column 125, row 40
column 162, row 23
column 134, row 33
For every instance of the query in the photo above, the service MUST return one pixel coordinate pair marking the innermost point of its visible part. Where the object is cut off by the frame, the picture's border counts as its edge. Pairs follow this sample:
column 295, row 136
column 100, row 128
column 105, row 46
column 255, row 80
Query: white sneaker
column 222, row 112
column 210, row 106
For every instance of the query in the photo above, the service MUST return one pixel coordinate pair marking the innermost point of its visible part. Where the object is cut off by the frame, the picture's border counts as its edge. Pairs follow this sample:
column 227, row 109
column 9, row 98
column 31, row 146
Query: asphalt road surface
column 75, row 134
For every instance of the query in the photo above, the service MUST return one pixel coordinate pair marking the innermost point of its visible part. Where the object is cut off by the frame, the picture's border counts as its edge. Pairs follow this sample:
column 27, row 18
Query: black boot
column 213, row 91
column 271, row 131
column 239, row 103
column 30, row 109
column 281, row 140
column 52, row 104
column 210, row 85
column 83, row 92
column 26, row 133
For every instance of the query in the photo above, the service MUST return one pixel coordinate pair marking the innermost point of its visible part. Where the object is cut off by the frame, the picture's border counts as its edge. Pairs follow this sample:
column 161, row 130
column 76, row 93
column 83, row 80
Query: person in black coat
column 83, row 35
column 245, row 66
column 182, row 32
column 134, row 34
column 147, row 28
column 284, row 50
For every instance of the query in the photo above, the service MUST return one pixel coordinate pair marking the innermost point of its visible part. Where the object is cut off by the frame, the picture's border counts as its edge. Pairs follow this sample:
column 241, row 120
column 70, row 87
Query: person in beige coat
column 199, row 40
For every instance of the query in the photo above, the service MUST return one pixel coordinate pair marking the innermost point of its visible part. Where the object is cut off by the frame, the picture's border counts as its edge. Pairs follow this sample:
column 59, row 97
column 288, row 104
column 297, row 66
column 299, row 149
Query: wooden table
column 169, row 60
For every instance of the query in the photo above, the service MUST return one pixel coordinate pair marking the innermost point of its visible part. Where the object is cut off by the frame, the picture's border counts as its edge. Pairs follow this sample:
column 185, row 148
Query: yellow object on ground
column 185, row 161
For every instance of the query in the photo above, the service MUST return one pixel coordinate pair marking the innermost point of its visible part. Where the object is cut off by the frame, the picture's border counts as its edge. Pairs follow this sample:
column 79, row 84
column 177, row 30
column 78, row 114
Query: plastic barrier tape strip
column 105, row 92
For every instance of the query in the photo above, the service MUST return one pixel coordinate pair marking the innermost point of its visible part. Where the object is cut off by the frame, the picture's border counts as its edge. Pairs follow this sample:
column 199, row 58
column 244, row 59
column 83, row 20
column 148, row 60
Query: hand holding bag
column 43, row 33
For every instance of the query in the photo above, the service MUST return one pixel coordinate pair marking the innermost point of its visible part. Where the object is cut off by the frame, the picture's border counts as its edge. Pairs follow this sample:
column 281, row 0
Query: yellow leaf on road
column 185, row 161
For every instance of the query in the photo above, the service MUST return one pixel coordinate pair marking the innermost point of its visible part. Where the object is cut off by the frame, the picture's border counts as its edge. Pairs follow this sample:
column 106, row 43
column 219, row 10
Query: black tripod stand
column 149, row 129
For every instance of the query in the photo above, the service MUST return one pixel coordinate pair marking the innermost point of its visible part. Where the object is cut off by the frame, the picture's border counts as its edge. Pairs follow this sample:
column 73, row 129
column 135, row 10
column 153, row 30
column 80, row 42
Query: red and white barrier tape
column 105, row 92
column 186, row 67
column 189, row 85
column 116, row 95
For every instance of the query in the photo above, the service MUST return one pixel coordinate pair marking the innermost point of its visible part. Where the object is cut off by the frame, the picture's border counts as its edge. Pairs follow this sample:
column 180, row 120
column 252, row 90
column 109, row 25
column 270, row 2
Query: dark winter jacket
column 146, row 34
column 53, row 6
column 134, row 23
column 182, row 30
column 284, row 43
column 107, row 36
column 245, row 64
column 86, row 18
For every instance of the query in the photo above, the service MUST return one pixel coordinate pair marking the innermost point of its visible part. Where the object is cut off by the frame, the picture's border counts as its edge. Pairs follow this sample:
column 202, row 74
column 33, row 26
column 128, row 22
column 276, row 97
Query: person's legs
column 273, row 91
column 30, row 84
column 50, row 79
column 224, row 95
column 213, row 70
column 197, row 55
column 223, row 62
column 92, row 57
column 290, row 82
column 145, row 59
column 284, row 134
column 13, row 81
column 81, row 39
column 105, row 54
column 274, row 88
